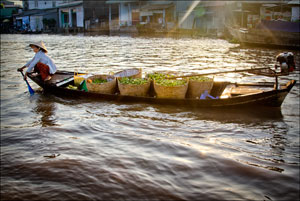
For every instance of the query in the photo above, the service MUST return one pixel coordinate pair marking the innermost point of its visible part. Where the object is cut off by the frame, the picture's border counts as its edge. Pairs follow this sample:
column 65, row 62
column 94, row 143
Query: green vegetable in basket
column 99, row 81
column 136, row 81
column 158, row 76
column 170, row 83
column 201, row 79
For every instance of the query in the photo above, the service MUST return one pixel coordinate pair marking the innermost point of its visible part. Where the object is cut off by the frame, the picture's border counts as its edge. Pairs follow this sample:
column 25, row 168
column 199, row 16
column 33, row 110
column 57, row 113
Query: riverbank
column 178, row 33
column 133, row 31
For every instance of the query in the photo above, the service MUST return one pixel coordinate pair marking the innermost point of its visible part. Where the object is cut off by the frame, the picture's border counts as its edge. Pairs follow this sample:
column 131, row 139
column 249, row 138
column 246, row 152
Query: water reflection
column 227, row 115
column 45, row 107
column 222, row 115
column 246, row 116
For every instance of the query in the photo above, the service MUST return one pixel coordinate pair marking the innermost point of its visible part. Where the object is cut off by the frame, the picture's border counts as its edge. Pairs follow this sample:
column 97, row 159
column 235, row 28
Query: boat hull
column 258, row 37
column 272, row 98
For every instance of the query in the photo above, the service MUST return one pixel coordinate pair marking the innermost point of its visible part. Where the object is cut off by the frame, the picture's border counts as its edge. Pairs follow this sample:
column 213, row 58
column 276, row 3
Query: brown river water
column 108, row 150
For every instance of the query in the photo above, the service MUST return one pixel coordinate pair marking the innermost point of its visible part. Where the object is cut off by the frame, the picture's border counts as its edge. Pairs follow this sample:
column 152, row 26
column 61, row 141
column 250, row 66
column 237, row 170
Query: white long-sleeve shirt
column 40, row 56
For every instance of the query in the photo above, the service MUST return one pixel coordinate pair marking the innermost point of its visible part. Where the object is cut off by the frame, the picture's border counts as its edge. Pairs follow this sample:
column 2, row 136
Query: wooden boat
column 239, row 95
column 265, row 37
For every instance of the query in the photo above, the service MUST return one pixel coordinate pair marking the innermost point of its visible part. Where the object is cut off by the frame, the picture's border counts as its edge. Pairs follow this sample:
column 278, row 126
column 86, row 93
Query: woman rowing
column 40, row 63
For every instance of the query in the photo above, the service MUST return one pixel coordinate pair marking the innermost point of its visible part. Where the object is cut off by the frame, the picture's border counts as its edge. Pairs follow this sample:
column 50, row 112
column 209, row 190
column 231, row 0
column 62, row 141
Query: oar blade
column 31, row 91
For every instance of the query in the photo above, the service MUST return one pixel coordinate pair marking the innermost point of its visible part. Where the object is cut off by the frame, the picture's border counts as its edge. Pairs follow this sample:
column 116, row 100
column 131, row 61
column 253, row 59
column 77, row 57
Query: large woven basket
column 132, row 73
column 196, row 88
column 174, row 92
column 133, row 89
column 106, row 88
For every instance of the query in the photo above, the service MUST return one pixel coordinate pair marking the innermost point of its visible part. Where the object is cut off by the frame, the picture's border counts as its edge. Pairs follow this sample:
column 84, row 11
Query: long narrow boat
column 240, row 95
column 263, row 37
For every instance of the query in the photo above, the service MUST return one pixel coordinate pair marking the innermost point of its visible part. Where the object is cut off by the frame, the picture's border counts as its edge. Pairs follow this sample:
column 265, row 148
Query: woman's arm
column 21, row 69
column 34, row 61
column 26, row 65
column 31, row 64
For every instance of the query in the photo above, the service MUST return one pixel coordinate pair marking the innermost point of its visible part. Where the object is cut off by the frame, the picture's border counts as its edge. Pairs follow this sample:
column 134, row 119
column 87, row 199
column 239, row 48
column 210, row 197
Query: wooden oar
column 220, row 72
column 31, row 91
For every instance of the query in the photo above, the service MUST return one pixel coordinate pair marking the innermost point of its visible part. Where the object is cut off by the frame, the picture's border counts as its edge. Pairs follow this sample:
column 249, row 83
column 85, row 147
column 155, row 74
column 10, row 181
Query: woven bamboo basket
column 174, row 92
column 106, row 88
column 132, row 73
column 133, row 89
column 196, row 88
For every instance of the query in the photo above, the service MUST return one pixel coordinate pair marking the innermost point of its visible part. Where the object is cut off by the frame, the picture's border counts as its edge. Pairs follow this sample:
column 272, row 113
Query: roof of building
column 37, row 12
column 71, row 4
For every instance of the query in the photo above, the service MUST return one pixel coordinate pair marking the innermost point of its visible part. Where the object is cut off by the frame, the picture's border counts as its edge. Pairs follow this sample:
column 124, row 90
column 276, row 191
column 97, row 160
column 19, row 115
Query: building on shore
column 50, row 16
column 70, row 16
column 96, row 16
column 158, row 16
column 7, row 11
column 167, row 16
column 134, row 15
column 201, row 17
column 123, row 15
column 64, row 15
column 208, row 18
column 37, row 16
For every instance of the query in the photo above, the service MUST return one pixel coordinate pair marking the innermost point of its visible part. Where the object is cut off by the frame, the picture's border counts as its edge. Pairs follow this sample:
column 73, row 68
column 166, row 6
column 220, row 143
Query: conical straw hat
column 40, row 45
